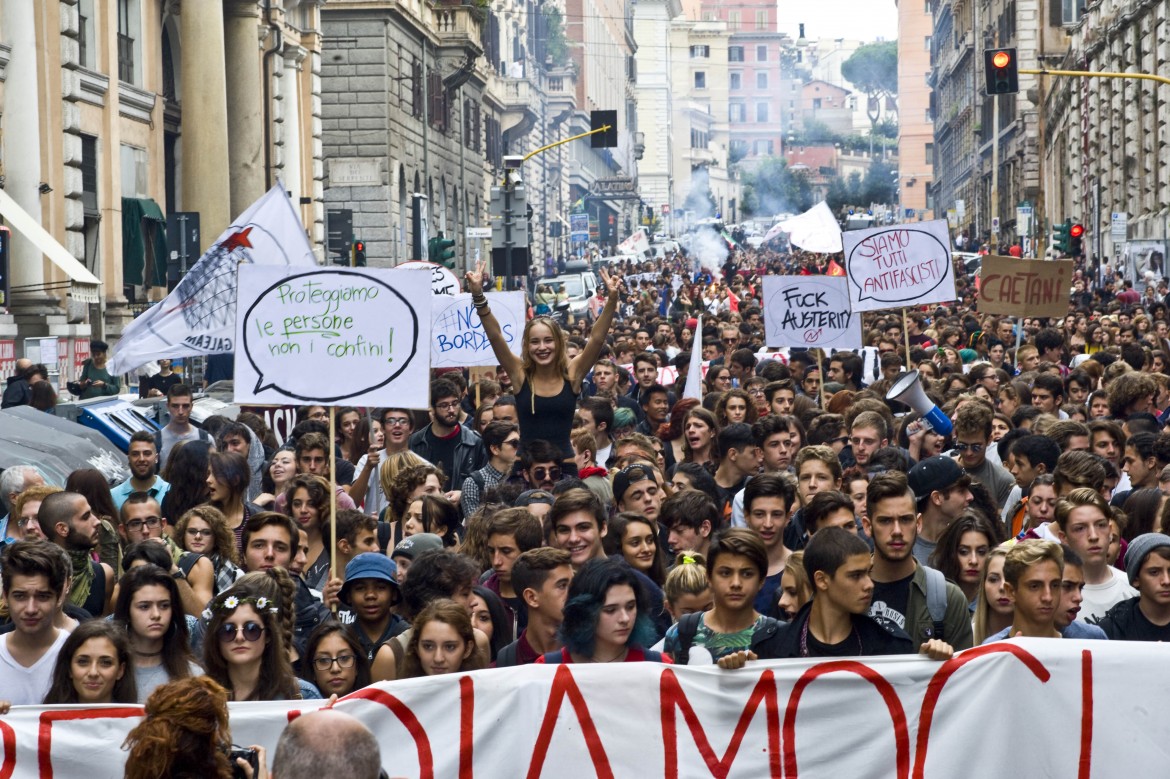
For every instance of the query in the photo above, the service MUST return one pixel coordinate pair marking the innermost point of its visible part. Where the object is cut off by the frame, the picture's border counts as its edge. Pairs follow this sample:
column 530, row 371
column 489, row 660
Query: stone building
column 118, row 112
column 915, row 118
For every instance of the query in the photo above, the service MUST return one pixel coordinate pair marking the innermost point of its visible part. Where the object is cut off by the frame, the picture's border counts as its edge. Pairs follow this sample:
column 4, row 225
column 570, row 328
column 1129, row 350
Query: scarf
column 82, row 582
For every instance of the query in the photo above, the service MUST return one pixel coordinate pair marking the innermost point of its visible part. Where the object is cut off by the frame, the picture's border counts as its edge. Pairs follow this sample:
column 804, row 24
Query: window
column 85, row 34
column 89, row 172
column 816, row 103
column 134, row 172
column 929, row 152
column 763, row 148
column 127, row 25
column 700, row 79
column 709, row 16
column 927, row 43
column 735, row 82
column 761, row 20
column 735, row 53
column 737, row 112
column 472, row 125
column 733, row 22
column 761, row 54
column 761, row 112
column 439, row 107
column 698, row 139
column 416, row 89
column 739, row 148
column 700, row 52
column 1071, row 11
column 762, row 80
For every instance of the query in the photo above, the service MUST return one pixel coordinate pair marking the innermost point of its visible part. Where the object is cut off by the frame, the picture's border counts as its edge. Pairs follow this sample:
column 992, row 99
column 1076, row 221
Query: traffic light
column 608, row 137
column 442, row 251
column 1076, row 234
column 1062, row 237
column 359, row 254
column 1003, row 76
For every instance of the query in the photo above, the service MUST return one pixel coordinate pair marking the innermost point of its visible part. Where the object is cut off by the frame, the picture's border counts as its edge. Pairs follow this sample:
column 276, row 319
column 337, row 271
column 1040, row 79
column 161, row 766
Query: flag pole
column 821, row 375
column 906, row 337
column 333, row 496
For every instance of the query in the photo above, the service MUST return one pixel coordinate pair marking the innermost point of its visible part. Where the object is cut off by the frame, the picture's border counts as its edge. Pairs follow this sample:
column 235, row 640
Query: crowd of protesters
column 580, row 505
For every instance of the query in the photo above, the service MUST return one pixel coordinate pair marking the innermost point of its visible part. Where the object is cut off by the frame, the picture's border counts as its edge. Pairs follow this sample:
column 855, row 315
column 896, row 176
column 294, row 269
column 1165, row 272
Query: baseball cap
column 528, row 497
column 934, row 473
column 369, row 565
column 1139, row 548
column 412, row 546
column 631, row 474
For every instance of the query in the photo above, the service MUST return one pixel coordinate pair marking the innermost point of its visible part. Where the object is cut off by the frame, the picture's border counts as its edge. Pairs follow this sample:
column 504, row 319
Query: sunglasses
column 324, row 663
column 251, row 630
column 976, row 448
column 512, row 442
column 549, row 473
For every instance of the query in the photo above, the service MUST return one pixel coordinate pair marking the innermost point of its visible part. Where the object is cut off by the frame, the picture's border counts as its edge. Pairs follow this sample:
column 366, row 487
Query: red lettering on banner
column 565, row 685
column 943, row 675
column 422, row 744
column 45, row 732
column 893, row 704
column 672, row 695
column 1085, row 766
column 8, row 736
column 466, row 727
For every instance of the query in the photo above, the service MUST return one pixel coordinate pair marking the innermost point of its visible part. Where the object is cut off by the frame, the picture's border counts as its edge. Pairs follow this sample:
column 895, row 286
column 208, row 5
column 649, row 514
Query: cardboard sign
column 335, row 334
column 810, row 311
column 443, row 280
column 902, row 265
column 457, row 336
column 1015, row 287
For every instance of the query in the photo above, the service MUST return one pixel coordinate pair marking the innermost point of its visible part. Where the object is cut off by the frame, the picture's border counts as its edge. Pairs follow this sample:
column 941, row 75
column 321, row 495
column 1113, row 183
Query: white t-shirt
column 1099, row 598
column 23, row 686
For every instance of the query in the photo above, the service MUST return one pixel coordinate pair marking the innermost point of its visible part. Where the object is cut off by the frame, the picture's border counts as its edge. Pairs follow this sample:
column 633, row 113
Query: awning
column 84, row 285
column 137, row 236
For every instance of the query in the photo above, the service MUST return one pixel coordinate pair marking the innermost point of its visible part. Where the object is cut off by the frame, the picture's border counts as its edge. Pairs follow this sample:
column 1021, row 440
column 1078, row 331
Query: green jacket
column 956, row 624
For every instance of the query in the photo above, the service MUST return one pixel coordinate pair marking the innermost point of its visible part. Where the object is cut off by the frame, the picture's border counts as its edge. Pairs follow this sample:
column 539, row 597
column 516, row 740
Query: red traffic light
column 1001, row 59
column 1076, row 231
column 360, row 246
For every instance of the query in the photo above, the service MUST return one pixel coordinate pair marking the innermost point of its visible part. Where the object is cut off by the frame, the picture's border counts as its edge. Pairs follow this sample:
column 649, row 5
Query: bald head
column 326, row 743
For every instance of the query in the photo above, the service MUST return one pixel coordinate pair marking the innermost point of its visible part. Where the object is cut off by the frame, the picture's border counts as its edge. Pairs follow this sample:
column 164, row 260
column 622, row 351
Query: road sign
column 1119, row 226
column 1024, row 220
column 479, row 232
column 995, row 225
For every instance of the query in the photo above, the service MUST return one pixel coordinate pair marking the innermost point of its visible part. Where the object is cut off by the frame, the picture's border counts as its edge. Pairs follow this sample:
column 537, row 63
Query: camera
column 248, row 755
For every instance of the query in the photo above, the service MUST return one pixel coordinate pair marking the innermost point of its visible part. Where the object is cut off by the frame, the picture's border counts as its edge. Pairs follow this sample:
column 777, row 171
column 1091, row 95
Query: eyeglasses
column 396, row 422
column 756, row 391
column 840, row 440
column 199, row 533
column 550, row 473
column 451, row 406
column 251, row 630
column 24, row 522
column 151, row 522
column 512, row 442
column 324, row 663
column 976, row 448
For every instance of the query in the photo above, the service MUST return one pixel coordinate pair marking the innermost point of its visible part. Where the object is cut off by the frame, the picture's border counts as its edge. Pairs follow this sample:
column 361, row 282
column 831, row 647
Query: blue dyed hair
column 587, row 595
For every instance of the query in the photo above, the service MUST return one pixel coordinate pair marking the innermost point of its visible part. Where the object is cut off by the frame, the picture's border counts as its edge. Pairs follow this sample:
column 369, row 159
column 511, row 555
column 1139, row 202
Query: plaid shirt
column 471, row 495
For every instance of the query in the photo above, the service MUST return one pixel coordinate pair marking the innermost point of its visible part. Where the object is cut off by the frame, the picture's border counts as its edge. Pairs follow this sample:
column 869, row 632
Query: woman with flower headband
column 547, row 382
column 244, row 649
column 150, row 607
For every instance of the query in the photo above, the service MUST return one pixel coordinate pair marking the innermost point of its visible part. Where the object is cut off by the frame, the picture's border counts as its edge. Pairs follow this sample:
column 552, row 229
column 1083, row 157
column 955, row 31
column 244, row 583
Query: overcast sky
column 865, row 20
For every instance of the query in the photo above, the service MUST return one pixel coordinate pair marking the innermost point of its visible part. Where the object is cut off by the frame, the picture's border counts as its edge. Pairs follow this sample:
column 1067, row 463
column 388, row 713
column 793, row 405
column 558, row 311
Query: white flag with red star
column 199, row 316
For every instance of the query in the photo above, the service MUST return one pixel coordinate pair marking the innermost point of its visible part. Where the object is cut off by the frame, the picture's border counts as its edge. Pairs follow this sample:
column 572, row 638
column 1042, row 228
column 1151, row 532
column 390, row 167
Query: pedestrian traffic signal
column 442, row 251
column 1003, row 74
column 359, row 254
column 1062, row 237
column 1076, row 234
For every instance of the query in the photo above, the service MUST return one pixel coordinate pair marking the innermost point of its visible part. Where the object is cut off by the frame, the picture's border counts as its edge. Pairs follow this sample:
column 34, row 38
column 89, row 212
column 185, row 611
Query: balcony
column 459, row 28
column 701, row 157
column 562, row 93
column 520, row 102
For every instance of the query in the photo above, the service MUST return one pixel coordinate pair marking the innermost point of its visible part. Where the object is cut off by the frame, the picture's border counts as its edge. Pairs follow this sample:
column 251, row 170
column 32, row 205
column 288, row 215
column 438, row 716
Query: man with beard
column 455, row 448
column 67, row 520
column 540, row 466
column 143, row 460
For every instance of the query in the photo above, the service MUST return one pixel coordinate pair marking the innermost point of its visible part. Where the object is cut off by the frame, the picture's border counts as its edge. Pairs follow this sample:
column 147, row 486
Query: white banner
column 902, row 265
column 358, row 335
column 1101, row 705
column 457, row 336
column 810, row 311
column 199, row 316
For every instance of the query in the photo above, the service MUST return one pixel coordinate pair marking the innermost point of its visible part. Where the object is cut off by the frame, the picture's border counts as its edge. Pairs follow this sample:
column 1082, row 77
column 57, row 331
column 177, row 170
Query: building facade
column 915, row 118
column 116, row 114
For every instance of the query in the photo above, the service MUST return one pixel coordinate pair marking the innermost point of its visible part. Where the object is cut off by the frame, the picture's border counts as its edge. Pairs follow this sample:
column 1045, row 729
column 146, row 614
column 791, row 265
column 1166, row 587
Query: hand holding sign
column 331, row 335
column 902, row 265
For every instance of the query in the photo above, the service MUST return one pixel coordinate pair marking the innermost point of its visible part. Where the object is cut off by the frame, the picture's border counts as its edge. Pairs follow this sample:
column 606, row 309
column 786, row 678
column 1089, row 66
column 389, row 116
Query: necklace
column 804, row 640
column 593, row 659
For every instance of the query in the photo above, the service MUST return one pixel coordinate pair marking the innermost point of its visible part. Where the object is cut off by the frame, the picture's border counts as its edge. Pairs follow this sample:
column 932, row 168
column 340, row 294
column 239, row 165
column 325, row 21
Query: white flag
column 694, row 387
column 816, row 230
column 199, row 316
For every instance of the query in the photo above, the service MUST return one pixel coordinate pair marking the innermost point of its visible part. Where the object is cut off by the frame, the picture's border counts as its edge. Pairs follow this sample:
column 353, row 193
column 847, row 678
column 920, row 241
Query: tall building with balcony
column 653, row 20
column 120, row 112
column 915, row 118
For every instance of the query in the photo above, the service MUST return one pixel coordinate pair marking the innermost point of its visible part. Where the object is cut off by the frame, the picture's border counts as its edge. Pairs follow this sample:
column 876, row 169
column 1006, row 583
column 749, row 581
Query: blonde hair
column 560, row 359
column 982, row 607
column 395, row 464
column 687, row 577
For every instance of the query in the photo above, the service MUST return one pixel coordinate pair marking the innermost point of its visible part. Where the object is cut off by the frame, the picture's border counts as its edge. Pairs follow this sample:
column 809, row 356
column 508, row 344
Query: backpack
column 936, row 601
column 688, row 626
column 506, row 657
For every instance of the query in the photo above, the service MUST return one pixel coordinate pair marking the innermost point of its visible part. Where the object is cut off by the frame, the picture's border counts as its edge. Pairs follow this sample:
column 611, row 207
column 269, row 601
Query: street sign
column 1119, row 226
column 961, row 208
column 1024, row 220
column 995, row 225
column 479, row 232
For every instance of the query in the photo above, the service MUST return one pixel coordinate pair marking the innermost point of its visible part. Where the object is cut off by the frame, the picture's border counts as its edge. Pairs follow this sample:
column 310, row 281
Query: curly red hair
column 185, row 732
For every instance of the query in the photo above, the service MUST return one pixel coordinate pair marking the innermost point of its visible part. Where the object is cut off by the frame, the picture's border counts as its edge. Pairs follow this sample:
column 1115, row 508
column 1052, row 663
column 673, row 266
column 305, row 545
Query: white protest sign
column 855, row 717
column 900, row 265
column 334, row 334
column 443, row 280
column 810, row 311
column 457, row 336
